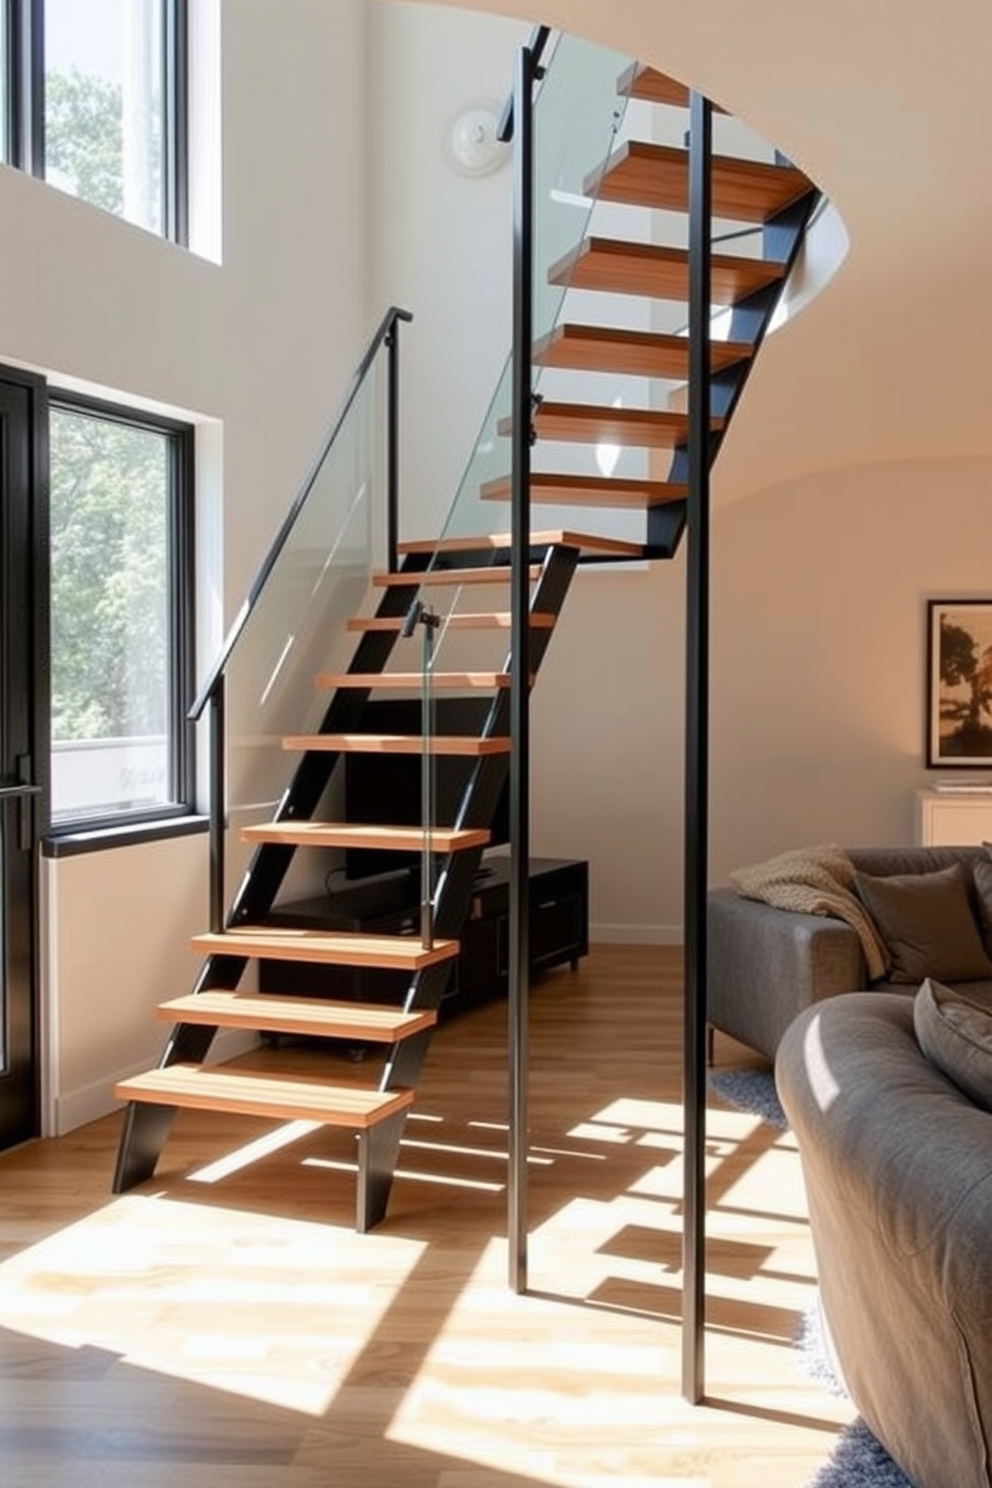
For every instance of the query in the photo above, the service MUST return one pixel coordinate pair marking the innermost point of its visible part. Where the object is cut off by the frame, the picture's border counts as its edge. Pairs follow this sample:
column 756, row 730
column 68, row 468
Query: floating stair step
column 498, row 573
column 591, row 490
column 484, row 681
column 647, row 83
column 327, row 947
column 629, row 353
column 646, row 175
column 197, row 1089
column 494, row 620
column 585, row 542
column 618, row 267
column 501, row 541
column 364, row 1022
column 354, row 834
column 583, row 423
column 465, row 744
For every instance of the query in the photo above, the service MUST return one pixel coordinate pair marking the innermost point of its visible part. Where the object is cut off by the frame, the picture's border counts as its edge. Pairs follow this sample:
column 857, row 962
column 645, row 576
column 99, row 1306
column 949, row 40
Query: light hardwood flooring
column 224, row 1327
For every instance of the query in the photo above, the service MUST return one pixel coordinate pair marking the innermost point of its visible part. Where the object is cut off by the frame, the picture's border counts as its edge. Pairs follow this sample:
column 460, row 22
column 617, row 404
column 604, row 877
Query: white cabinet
column 948, row 819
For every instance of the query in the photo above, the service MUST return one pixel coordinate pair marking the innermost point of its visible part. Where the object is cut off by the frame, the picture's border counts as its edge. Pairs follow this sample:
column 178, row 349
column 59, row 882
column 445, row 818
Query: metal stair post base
column 378, row 1151
column 146, row 1128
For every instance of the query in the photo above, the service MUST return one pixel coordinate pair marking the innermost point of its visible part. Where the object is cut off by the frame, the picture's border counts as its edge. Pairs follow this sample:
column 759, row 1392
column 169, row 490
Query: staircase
column 440, row 582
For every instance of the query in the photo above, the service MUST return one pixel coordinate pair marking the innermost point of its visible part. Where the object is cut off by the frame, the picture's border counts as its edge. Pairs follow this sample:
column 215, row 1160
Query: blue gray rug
column 751, row 1090
column 859, row 1461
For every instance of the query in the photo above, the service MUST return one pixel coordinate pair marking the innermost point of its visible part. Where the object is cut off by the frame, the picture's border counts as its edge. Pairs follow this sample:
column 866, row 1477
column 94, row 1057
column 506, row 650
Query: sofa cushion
column 956, row 1035
column 926, row 922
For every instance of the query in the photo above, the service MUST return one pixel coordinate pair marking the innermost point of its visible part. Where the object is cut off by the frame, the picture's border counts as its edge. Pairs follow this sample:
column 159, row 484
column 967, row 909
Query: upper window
column 94, row 101
column 121, row 614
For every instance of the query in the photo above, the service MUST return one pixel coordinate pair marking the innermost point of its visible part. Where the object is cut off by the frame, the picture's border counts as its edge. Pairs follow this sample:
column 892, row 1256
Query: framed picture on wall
column 959, row 683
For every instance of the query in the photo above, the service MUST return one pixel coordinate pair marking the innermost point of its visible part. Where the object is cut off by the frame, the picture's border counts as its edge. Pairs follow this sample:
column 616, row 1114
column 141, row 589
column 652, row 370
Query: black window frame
column 24, row 125
column 84, row 833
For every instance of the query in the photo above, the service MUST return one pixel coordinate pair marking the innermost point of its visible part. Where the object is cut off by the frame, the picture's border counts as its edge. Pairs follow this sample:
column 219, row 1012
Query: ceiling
column 887, row 105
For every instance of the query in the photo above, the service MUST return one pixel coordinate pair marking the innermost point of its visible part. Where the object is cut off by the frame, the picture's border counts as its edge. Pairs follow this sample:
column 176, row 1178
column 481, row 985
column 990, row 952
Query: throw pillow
column 982, row 875
column 956, row 1036
column 926, row 922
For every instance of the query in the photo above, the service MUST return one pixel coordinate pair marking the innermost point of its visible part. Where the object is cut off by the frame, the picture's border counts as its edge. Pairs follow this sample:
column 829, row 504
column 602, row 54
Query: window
column 121, row 614
column 93, row 98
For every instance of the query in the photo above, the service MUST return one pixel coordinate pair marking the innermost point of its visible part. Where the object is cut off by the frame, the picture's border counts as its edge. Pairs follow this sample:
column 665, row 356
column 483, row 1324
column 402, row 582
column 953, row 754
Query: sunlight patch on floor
column 269, row 1308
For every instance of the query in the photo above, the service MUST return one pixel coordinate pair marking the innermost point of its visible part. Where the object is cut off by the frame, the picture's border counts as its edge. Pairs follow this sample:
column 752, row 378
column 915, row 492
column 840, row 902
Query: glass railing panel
column 297, row 625
column 580, row 120
column 578, row 116
column 578, row 113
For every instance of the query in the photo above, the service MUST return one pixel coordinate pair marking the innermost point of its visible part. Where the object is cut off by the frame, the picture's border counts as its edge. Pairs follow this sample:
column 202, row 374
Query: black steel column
column 218, row 791
column 520, row 677
column 696, row 757
column 393, row 447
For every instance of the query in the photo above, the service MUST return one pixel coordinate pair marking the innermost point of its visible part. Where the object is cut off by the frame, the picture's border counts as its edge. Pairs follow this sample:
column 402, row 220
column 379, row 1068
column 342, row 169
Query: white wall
column 441, row 243
column 257, row 349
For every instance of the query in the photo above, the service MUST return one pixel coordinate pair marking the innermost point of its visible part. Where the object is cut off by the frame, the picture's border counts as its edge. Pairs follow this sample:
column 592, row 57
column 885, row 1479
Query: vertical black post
column 393, row 447
column 25, row 105
column 520, row 678
column 430, row 621
column 218, row 790
column 696, row 756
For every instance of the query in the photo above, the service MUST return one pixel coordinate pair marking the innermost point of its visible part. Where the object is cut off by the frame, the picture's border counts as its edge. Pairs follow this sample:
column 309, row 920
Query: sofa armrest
column 764, row 965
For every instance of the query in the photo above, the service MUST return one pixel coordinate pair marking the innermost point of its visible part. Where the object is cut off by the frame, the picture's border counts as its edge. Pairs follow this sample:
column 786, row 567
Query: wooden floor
column 224, row 1327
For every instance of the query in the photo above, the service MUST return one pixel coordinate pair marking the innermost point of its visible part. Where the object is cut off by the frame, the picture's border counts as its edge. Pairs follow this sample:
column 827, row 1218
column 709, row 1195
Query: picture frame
column 959, row 683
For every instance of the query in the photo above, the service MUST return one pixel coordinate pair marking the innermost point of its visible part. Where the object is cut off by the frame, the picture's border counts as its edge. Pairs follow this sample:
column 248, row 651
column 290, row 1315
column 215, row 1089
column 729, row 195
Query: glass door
column 20, row 576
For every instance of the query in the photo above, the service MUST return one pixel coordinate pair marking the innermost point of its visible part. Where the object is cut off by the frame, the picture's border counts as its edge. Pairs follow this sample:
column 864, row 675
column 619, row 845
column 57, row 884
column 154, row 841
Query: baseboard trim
column 636, row 934
column 92, row 1102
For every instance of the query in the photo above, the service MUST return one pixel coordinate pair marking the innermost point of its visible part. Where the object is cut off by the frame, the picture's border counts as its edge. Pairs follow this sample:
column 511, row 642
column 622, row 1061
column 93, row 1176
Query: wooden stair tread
column 502, row 541
column 465, row 744
column 586, row 542
column 648, row 428
column 195, row 1088
column 497, row 573
column 589, row 348
column 355, row 834
column 591, row 490
column 614, row 266
column 489, row 620
column 485, row 681
column 648, row 175
column 647, row 83
column 365, row 1022
column 329, row 947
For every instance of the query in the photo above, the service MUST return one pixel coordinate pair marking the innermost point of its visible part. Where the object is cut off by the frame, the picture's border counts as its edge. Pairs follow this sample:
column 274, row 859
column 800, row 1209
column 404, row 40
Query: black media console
column 559, row 931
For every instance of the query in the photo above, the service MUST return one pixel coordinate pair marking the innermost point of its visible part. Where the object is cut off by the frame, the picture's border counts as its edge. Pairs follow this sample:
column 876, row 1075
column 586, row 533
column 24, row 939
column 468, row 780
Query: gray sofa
column 897, row 1163
column 765, row 965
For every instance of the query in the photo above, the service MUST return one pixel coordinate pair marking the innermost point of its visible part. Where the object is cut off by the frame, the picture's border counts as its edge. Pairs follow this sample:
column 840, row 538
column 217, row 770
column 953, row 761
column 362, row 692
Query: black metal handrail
column 536, row 43
column 385, row 335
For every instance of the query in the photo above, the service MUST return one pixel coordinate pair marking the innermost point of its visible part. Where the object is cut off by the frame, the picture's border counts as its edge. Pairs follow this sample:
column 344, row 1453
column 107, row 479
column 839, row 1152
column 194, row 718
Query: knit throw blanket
column 814, row 880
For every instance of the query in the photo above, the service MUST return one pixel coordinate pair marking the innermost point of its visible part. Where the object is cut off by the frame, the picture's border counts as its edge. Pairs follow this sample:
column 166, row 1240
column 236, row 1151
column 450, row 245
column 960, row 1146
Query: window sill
column 69, row 843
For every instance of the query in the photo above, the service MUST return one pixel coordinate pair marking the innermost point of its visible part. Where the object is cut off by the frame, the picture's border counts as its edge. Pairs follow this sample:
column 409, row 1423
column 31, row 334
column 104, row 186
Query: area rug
column 751, row 1090
column 858, row 1459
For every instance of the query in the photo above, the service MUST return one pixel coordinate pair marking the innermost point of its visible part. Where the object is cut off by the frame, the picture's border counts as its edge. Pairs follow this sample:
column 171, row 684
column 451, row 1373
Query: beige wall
column 819, row 591
column 115, row 944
